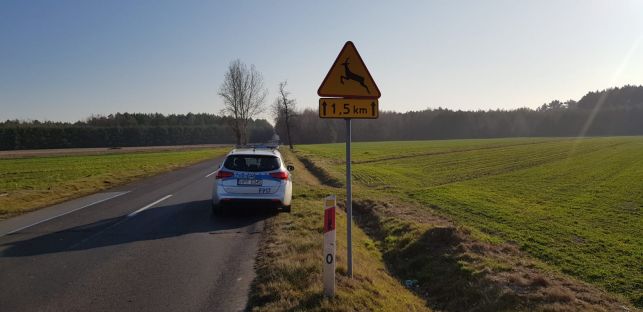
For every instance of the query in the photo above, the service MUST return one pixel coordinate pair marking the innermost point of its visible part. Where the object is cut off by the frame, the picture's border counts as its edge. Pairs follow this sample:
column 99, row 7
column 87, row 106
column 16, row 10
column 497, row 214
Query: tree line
column 611, row 112
column 126, row 129
column 615, row 111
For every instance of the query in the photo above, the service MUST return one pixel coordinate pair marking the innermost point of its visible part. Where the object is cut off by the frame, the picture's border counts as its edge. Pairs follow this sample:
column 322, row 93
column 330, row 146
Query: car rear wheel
column 286, row 209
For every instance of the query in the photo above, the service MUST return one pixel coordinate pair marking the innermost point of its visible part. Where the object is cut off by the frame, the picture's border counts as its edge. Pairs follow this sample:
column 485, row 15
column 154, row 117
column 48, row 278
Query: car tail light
column 281, row 175
column 224, row 174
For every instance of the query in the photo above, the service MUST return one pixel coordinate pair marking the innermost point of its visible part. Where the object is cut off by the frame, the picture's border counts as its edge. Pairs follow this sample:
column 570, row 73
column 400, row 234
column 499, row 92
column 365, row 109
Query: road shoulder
column 289, row 261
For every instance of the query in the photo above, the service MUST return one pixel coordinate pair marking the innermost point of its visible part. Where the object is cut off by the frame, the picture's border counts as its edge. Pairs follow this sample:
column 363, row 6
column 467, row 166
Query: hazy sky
column 66, row 60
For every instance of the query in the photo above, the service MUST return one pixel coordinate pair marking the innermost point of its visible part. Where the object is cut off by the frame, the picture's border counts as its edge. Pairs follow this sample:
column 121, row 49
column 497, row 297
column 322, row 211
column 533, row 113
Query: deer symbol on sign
column 352, row 76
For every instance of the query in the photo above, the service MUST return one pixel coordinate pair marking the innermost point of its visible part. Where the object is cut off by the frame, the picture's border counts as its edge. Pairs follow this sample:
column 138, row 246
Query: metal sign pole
column 349, row 201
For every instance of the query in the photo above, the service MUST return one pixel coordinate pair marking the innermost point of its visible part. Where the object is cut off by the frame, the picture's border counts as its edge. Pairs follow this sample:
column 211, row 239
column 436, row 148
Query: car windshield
column 251, row 163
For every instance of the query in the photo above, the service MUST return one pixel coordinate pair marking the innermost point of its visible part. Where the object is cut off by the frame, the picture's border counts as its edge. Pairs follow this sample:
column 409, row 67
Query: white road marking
column 68, row 212
column 148, row 206
column 211, row 173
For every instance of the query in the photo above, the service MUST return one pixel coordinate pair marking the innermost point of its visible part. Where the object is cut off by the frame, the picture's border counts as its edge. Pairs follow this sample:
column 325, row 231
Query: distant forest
column 124, row 129
column 611, row 112
column 617, row 111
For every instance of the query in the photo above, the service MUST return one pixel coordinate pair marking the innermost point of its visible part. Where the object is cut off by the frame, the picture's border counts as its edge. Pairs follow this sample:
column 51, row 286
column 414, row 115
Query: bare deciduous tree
column 243, row 96
column 284, row 109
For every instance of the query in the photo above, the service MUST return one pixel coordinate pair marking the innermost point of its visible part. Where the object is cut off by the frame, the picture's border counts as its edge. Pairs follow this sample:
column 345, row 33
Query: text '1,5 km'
column 348, row 108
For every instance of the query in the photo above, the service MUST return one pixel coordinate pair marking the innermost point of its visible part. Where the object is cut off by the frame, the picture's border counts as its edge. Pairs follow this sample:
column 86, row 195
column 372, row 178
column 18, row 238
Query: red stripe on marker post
column 329, row 219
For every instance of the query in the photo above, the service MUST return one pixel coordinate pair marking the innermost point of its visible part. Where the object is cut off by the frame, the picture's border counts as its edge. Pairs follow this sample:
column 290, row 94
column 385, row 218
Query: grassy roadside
column 456, row 266
column 289, row 261
column 572, row 204
column 30, row 183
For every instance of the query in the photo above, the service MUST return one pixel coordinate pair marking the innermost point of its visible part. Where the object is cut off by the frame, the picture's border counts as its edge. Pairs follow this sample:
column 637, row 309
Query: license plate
column 249, row 182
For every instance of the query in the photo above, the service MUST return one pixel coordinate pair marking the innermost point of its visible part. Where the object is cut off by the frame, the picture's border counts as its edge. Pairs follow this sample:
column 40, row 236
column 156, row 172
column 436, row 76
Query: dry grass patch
column 457, row 271
column 289, row 262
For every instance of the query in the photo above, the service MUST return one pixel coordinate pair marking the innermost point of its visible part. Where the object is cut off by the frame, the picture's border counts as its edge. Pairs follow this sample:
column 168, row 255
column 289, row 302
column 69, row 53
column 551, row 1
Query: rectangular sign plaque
column 348, row 108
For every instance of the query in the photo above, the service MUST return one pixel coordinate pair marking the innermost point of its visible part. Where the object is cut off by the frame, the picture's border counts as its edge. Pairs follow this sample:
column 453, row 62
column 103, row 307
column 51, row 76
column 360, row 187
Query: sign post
column 349, row 202
column 329, row 246
column 353, row 95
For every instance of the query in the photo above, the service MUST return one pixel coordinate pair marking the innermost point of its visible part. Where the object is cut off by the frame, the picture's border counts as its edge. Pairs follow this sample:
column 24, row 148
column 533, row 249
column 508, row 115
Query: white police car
column 253, row 175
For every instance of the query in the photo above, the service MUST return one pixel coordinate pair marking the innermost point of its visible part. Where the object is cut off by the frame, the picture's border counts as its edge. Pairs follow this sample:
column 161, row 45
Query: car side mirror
column 290, row 167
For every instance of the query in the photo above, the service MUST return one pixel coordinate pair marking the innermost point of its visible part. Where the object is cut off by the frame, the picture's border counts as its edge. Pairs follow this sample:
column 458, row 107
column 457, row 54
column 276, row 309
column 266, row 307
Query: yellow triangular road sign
column 349, row 77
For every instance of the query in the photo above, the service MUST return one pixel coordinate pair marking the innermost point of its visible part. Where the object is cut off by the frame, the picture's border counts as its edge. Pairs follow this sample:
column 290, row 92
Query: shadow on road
column 152, row 224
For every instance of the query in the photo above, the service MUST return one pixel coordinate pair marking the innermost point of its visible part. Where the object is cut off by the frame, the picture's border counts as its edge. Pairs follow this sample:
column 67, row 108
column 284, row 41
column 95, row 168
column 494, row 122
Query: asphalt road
column 149, row 246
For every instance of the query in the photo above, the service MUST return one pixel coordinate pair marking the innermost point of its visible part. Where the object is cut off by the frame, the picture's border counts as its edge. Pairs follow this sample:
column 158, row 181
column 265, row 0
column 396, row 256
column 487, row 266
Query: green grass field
column 33, row 182
column 574, row 204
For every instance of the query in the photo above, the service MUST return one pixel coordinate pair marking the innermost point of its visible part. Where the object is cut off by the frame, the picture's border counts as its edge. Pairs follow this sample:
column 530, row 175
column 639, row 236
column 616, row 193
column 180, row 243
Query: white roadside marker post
column 329, row 246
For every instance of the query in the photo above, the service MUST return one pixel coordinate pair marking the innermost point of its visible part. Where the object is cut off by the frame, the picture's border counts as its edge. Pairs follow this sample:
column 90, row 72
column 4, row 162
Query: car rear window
column 251, row 163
